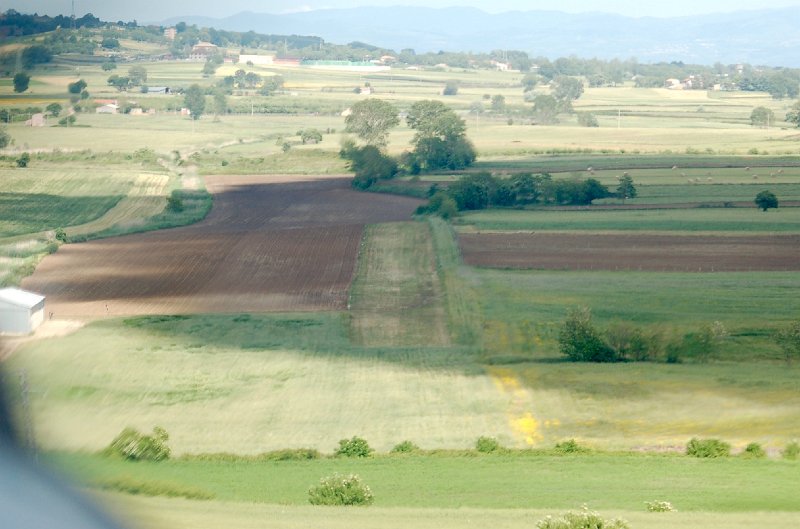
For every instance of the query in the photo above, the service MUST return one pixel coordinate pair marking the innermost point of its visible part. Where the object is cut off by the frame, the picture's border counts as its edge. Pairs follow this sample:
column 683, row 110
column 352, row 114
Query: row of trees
column 484, row 190
column 581, row 341
column 439, row 142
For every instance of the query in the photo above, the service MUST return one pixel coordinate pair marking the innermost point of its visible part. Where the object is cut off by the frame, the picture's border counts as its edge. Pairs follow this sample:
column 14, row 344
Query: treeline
column 15, row 24
column 484, row 190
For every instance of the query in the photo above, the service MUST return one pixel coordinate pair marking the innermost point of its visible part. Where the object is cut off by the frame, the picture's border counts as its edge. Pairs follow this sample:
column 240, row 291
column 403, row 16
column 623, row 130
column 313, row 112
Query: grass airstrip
column 430, row 350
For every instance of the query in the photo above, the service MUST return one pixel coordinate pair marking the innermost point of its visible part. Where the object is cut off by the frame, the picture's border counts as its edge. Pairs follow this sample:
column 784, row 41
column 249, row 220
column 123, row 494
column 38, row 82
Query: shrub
column 292, row 454
column 754, row 451
column 659, row 506
column 579, row 341
column 569, row 447
column 404, row 448
column 132, row 445
column 355, row 447
column 174, row 202
column 23, row 160
column 587, row 119
column 583, row 519
column 765, row 200
column 708, row 448
column 792, row 451
column 61, row 235
column 340, row 490
column 487, row 445
column 788, row 338
column 5, row 139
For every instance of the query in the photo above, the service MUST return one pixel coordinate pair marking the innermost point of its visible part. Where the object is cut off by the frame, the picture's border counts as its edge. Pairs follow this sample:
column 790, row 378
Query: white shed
column 20, row 311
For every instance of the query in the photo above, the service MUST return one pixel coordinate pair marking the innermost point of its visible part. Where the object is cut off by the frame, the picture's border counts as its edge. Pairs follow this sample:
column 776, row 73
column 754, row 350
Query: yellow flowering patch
column 522, row 422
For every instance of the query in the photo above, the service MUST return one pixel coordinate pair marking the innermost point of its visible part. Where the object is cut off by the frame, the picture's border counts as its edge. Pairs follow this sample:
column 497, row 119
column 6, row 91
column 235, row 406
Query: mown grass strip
column 461, row 300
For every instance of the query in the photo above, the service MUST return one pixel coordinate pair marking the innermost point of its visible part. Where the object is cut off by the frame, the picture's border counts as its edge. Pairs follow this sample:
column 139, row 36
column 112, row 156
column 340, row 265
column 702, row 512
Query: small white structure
column 261, row 60
column 20, row 311
column 110, row 108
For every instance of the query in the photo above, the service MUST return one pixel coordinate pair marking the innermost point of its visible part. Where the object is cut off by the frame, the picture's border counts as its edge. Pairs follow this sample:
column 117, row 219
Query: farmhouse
column 20, row 311
column 202, row 50
column 158, row 90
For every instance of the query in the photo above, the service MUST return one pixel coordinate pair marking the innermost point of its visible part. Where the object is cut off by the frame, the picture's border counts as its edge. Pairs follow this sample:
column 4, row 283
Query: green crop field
column 160, row 513
column 604, row 481
column 696, row 220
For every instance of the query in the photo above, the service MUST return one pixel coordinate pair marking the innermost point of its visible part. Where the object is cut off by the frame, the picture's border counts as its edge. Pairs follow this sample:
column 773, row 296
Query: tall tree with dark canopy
column 21, row 82
column 440, row 141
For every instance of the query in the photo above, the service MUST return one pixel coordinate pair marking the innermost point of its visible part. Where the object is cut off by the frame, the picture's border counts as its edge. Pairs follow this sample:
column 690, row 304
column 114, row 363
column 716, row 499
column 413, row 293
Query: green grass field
column 696, row 220
column 396, row 295
column 608, row 482
column 160, row 513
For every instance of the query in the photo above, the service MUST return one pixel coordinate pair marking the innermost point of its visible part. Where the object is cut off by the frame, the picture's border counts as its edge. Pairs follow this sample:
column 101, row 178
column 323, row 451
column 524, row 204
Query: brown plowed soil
column 269, row 244
column 670, row 253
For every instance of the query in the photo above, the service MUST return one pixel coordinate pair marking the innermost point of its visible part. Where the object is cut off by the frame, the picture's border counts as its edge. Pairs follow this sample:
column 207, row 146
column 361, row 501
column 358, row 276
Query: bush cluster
column 569, row 447
column 354, row 447
column 754, row 451
column 340, row 490
column 659, row 506
column 369, row 164
column 405, row 447
column 581, row 341
column 792, row 451
column 583, row 519
column 487, row 445
column 708, row 448
column 135, row 446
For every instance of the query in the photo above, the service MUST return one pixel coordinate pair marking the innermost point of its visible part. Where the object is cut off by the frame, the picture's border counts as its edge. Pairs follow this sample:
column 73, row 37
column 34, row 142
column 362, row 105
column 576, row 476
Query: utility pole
column 619, row 118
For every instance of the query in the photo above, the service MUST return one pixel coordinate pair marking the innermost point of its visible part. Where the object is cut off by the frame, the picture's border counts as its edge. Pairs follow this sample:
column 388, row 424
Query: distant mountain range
column 768, row 37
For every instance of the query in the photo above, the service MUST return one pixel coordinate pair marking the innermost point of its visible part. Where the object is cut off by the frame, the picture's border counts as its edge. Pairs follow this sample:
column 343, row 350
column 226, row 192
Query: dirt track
column 557, row 251
column 269, row 244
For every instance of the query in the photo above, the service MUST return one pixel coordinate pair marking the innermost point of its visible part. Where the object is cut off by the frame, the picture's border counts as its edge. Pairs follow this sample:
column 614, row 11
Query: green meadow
column 695, row 220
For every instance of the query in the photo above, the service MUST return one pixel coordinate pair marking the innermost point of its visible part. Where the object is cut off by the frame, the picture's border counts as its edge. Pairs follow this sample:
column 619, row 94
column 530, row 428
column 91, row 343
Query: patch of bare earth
column 269, row 244
column 668, row 253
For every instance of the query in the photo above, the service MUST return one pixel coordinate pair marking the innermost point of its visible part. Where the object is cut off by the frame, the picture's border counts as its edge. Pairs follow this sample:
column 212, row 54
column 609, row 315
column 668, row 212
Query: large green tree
column 545, row 110
column 371, row 121
column 440, row 141
column 137, row 75
column 765, row 200
column 793, row 116
column 762, row 117
column 21, row 82
column 77, row 87
column 566, row 90
column 195, row 100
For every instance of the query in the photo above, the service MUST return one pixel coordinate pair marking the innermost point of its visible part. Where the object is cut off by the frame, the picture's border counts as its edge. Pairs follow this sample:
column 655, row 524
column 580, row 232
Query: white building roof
column 20, row 298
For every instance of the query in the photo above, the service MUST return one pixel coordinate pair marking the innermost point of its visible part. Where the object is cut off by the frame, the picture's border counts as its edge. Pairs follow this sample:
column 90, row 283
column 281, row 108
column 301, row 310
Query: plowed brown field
column 670, row 253
column 269, row 244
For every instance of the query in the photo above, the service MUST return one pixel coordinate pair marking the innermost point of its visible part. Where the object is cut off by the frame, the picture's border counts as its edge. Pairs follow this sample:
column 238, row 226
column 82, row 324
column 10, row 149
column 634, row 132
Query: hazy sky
column 156, row 10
